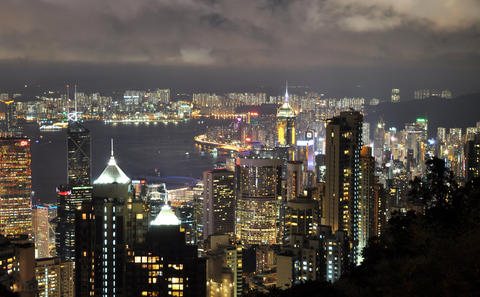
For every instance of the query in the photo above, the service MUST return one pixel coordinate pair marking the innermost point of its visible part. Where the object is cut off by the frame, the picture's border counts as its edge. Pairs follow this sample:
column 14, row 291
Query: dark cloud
column 232, row 34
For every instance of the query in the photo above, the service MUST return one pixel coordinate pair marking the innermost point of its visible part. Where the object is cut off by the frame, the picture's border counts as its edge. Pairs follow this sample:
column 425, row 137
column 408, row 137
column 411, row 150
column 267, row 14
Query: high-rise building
column 472, row 158
column 104, row 228
column 343, row 145
column 258, row 189
column 366, row 199
column 366, row 133
column 286, row 124
column 79, row 153
column 54, row 277
column 301, row 219
column 224, row 267
column 41, row 231
column 395, row 95
column 69, row 199
column 219, row 202
column 294, row 180
column 162, row 264
column 336, row 250
column 15, row 186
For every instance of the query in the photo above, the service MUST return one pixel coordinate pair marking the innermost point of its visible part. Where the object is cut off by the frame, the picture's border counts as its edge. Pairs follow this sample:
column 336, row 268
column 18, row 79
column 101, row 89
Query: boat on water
column 54, row 127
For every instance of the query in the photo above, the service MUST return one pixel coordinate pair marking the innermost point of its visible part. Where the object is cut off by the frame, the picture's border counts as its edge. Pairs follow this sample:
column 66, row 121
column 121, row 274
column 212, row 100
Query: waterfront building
column 15, row 186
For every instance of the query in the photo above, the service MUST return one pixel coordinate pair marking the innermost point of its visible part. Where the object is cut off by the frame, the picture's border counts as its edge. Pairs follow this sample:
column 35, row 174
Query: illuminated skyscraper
column 219, row 202
column 15, row 187
column 69, row 199
column 366, row 207
column 104, row 228
column 79, row 152
column 286, row 123
column 259, row 191
column 71, row 196
column 163, row 265
column 343, row 145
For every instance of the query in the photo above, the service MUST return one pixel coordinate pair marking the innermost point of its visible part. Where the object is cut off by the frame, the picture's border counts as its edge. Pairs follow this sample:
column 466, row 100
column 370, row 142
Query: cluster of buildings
column 299, row 205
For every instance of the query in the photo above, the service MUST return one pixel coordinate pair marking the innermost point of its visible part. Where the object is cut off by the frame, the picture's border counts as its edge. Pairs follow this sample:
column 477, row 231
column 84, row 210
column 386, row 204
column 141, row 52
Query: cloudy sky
column 331, row 45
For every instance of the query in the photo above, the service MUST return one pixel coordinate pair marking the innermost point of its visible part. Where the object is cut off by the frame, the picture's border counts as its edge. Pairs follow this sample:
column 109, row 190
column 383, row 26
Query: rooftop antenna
column 286, row 91
column 68, row 99
column 111, row 146
column 75, row 118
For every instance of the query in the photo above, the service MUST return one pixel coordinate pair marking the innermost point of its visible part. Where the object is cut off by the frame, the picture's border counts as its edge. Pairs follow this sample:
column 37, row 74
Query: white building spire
column 286, row 91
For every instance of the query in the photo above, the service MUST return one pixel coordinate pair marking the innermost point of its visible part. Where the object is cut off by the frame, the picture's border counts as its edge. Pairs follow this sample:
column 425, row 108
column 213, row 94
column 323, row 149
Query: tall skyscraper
column 343, row 145
column 15, row 187
column 79, row 189
column 79, row 152
column 162, row 264
column 366, row 207
column 286, row 124
column 258, row 189
column 219, row 202
column 104, row 228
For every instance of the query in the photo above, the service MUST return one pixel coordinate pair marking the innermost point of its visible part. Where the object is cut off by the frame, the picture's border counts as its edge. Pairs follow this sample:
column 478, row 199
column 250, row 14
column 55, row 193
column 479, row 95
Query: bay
column 140, row 150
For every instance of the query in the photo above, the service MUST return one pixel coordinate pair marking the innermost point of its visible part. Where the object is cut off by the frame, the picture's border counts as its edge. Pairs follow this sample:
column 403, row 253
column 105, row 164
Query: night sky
column 342, row 47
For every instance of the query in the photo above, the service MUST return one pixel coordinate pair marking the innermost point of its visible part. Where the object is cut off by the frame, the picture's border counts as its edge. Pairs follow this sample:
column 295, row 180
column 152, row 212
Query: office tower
column 104, row 227
column 54, row 277
column 41, row 231
column 340, row 207
column 294, row 180
column 219, row 202
column 395, row 95
column 69, row 199
column 224, row 267
column 15, row 186
column 286, row 124
column 17, row 265
column 79, row 152
column 163, row 265
column 366, row 133
column 301, row 219
column 258, row 189
column 366, row 199
column 472, row 158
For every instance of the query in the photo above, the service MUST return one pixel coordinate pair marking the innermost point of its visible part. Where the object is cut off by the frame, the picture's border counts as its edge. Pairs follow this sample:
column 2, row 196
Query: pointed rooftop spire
column 111, row 146
column 286, row 91
column 112, row 173
column 75, row 118
column 166, row 217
